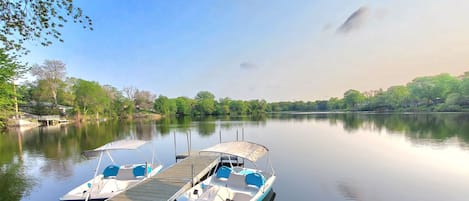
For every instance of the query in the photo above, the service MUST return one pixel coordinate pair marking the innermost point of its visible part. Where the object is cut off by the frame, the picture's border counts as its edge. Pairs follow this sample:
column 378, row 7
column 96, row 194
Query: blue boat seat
column 111, row 171
column 149, row 169
column 255, row 179
column 139, row 171
column 223, row 172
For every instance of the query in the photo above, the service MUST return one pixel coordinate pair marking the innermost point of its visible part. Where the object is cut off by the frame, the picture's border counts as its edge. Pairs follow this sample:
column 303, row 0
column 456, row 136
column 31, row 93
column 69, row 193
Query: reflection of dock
column 30, row 120
column 47, row 120
column 173, row 181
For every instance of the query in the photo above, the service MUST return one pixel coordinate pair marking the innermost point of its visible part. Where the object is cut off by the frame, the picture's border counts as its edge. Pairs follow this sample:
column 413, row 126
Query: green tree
column 274, row 107
column 184, row 106
column 322, row 105
column 25, row 92
column 433, row 89
column 9, row 69
column 464, row 89
column 334, row 103
column 40, row 20
column 223, row 106
column 257, row 106
column 123, row 107
column 114, row 98
column 205, row 103
column 379, row 102
column 352, row 98
column 165, row 106
column 90, row 97
column 464, row 86
column 454, row 99
column 65, row 94
column 397, row 96
column 238, row 107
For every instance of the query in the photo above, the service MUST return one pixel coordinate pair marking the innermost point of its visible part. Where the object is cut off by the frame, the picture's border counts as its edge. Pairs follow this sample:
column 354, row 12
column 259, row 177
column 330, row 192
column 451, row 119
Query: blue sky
column 273, row 50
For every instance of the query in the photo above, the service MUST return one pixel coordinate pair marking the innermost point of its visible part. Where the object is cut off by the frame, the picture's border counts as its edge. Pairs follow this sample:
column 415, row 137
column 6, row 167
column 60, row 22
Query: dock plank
column 171, row 182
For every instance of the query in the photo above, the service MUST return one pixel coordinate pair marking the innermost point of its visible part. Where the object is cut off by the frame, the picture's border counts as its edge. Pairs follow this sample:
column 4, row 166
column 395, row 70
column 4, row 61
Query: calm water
column 373, row 157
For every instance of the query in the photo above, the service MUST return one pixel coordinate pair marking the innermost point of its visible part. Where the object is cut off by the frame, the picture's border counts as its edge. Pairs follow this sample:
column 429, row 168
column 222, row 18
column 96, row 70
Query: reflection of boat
column 115, row 178
column 232, row 182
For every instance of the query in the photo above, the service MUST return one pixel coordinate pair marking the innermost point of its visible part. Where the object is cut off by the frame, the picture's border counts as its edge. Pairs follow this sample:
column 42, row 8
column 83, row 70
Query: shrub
column 448, row 108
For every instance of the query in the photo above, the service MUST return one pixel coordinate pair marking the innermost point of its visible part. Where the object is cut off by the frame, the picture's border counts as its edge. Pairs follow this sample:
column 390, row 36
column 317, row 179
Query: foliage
column 238, row 107
column 165, row 106
column 90, row 97
column 9, row 71
column 223, row 106
column 352, row 98
column 257, row 106
column 335, row 104
column 433, row 89
column 41, row 20
column 184, row 106
column 448, row 108
column 431, row 93
column 15, row 183
column 205, row 103
column 122, row 107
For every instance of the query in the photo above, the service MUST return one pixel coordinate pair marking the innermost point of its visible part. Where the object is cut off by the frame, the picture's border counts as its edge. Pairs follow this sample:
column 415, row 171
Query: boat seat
column 111, row 171
column 223, row 172
column 255, row 179
column 139, row 171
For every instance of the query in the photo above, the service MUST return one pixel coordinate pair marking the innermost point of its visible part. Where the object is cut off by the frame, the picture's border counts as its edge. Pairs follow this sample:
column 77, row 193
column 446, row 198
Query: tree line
column 204, row 103
column 439, row 93
column 52, row 91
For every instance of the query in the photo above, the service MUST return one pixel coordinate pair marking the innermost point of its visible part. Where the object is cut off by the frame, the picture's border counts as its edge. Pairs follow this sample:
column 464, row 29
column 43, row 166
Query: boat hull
column 212, row 189
column 100, row 188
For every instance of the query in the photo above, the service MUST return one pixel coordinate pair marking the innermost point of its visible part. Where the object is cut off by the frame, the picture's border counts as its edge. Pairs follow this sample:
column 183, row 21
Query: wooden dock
column 172, row 182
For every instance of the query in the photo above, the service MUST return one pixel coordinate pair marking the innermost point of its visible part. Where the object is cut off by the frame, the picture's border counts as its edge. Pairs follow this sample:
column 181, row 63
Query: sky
column 263, row 49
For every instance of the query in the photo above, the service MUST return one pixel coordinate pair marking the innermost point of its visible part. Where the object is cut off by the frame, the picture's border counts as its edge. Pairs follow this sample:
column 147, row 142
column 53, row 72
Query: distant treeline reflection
column 422, row 128
column 68, row 141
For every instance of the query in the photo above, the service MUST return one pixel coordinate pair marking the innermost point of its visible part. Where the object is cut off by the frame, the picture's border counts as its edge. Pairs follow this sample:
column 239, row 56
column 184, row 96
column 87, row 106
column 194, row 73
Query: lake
column 326, row 156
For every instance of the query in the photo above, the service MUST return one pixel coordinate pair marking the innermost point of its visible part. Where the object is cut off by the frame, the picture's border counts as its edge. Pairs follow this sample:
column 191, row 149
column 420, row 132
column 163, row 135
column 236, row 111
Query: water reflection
column 349, row 191
column 64, row 142
column 419, row 128
column 14, row 182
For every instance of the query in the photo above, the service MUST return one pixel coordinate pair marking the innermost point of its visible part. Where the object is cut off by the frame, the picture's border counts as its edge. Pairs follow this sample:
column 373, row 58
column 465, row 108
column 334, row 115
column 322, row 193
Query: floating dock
column 171, row 182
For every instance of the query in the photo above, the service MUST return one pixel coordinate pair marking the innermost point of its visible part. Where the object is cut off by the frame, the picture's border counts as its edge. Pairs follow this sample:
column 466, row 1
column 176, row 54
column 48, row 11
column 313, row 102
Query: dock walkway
column 171, row 182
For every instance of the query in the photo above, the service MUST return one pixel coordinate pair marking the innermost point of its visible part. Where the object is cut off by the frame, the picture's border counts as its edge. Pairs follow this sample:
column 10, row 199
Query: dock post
column 188, row 148
column 192, row 174
column 175, row 151
column 242, row 134
column 190, row 141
